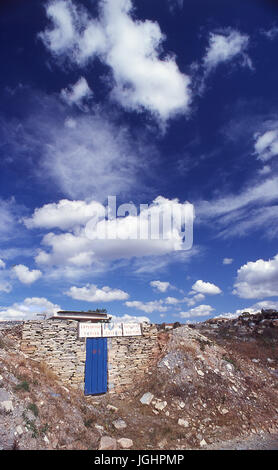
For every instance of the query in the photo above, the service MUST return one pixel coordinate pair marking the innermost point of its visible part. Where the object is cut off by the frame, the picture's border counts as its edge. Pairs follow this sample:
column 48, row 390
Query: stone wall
column 56, row 343
column 130, row 357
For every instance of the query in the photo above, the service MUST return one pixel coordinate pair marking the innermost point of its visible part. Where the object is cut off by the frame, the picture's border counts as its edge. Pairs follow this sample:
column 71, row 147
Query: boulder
column 112, row 408
column 119, row 424
column 160, row 405
column 7, row 406
column 183, row 422
column 125, row 443
column 107, row 443
column 146, row 398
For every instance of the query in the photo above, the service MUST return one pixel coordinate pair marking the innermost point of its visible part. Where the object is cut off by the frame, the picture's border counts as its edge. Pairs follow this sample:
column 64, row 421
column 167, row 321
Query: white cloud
column 83, row 155
column 92, row 293
column 131, row 48
column 199, row 311
column 148, row 307
column 227, row 260
column 7, row 217
column 266, row 144
column 253, row 309
column 242, row 213
column 257, row 279
column 129, row 319
column 265, row 170
column 271, row 33
column 25, row 275
column 224, row 47
column 5, row 286
column 77, row 93
column 2, row 264
column 105, row 240
column 195, row 299
column 265, row 304
column 175, row 4
column 262, row 192
column 64, row 214
column 173, row 300
column 64, row 16
column 206, row 288
column 80, row 158
column 160, row 286
column 28, row 309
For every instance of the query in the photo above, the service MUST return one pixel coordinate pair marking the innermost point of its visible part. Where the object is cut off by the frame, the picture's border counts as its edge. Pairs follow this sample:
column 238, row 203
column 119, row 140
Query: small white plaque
column 90, row 330
column 112, row 329
column 132, row 329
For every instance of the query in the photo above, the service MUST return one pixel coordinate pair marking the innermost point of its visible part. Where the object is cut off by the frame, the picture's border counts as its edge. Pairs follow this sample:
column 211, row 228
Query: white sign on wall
column 131, row 329
column 90, row 330
column 106, row 330
column 112, row 329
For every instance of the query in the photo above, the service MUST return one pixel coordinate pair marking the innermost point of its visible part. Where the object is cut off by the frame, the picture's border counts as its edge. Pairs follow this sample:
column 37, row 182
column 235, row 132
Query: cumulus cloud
column 160, row 286
column 173, row 300
column 143, row 78
column 92, row 293
column 227, row 260
column 257, row 279
column 29, row 309
column 205, row 288
column 199, row 311
column 224, row 47
column 64, row 214
column 195, row 299
column 77, row 94
column 107, row 239
column 130, row 319
column 147, row 307
column 25, row 275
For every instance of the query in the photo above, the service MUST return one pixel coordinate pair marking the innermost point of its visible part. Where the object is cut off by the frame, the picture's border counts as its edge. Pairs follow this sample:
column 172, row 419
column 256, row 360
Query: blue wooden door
column 96, row 366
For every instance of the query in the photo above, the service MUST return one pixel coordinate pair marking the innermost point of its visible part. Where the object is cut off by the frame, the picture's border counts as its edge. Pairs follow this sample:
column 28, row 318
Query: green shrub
column 33, row 407
column 24, row 385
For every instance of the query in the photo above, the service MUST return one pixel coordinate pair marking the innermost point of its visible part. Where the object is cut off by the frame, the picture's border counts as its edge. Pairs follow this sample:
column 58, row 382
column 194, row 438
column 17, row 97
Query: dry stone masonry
column 56, row 343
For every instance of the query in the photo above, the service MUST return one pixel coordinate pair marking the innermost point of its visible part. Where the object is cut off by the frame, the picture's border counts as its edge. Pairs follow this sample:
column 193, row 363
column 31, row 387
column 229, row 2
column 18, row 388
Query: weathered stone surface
column 107, row 443
column 183, row 422
column 119, row 424
column 19, row 431
column 160, row 405
column 112, row 408
column 7, row 406
column 146, row 398
column 125, row 443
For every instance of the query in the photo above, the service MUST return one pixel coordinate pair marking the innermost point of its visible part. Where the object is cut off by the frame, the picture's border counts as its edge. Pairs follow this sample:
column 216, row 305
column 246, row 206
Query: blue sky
column 162, row 102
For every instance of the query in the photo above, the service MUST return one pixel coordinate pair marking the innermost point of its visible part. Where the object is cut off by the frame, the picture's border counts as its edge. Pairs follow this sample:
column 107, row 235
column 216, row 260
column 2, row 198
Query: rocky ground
column 214, row 385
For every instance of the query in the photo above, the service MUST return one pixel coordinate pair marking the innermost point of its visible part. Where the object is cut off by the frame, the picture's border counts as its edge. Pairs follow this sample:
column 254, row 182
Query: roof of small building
column 79, row 315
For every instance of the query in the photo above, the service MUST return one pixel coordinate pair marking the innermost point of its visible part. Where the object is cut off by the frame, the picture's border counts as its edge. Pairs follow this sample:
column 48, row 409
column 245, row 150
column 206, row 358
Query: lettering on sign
column 90, row 330
column 106, row 330
column 131, row 329
column 112, row 329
